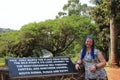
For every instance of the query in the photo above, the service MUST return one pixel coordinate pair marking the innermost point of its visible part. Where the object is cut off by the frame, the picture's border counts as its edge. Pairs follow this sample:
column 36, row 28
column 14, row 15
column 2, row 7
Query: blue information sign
column 39, row 66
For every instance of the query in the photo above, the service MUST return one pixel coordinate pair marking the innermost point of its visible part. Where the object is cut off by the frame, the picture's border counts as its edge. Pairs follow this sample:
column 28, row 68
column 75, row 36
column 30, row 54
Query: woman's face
column 88, row 43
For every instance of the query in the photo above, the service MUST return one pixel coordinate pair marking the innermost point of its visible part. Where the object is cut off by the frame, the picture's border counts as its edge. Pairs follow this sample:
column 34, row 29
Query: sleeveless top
column 88, row 62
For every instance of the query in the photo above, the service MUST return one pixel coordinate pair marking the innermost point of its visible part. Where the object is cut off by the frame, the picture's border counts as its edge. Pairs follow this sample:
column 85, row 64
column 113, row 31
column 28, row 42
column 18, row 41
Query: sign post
column 39, row 66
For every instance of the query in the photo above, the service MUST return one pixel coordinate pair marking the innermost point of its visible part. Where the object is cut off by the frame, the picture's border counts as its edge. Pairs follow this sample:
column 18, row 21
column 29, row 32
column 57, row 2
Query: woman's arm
column 101, row 64
column 102, row 61
column 77, row 65
column 79, row 61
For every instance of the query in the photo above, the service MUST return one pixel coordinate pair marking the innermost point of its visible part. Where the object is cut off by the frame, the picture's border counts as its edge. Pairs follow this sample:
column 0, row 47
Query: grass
column 2, row 59
column 2, row 62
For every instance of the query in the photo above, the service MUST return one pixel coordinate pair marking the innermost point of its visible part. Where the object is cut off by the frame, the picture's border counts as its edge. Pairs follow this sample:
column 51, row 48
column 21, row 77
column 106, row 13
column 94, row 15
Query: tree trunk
column 113, row 41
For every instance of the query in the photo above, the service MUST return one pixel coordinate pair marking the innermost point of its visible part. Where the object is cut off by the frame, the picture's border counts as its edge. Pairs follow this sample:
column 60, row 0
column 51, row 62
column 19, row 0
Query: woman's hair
column 84, row 48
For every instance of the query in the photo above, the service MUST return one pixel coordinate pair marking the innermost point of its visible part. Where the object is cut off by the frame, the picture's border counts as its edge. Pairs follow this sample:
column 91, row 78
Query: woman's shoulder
column 97, row 51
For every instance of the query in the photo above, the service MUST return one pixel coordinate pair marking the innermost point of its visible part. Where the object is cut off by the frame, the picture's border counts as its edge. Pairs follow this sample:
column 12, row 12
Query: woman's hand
column 92, row 69
column 77, row 67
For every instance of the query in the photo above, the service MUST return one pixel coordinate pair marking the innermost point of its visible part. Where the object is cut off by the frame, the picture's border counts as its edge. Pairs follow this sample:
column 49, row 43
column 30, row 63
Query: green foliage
column 101, row 14
column 61, row 36
column 2, row 59
column 74, row 7
column 7, row 41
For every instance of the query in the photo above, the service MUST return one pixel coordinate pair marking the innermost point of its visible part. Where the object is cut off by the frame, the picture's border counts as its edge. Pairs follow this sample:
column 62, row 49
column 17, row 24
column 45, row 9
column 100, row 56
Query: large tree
column 53, row 35
column 74, row 7
column 106, row 14
column 114, row 24
column 56, row 36
column 100, row 14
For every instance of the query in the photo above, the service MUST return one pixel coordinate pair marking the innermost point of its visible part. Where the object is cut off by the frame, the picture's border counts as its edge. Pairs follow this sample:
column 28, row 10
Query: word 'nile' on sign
column 39, row 66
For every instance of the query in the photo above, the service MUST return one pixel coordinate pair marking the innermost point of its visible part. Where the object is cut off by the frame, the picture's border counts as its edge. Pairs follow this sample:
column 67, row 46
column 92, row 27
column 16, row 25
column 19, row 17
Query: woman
column 93, row 61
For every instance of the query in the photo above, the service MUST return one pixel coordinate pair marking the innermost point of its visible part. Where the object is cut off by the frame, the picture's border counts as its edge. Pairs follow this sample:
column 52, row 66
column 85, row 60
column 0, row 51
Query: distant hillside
column 3, row 30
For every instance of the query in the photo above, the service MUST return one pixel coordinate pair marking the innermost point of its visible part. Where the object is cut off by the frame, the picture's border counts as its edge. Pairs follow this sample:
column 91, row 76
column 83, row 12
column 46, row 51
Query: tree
column 27, row 45
column 100, row 14
column 106, row 15
column 74, row 7
column 114, row 19
column 7, row 41
column 55, row 36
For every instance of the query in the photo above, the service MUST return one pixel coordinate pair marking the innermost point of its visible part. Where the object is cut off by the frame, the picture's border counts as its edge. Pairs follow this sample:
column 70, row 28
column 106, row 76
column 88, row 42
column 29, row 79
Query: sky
column 16, row 13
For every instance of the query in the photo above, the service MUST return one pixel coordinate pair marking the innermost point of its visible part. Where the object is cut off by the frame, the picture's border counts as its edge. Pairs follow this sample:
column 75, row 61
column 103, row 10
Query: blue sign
column 39, row 66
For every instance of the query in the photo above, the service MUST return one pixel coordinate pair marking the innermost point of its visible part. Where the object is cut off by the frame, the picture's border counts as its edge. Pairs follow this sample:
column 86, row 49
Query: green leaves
column 74, row 7
column 52, row 35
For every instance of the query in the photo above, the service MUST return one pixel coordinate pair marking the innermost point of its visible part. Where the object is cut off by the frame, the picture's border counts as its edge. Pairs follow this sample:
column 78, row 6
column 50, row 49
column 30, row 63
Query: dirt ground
column 113, row 73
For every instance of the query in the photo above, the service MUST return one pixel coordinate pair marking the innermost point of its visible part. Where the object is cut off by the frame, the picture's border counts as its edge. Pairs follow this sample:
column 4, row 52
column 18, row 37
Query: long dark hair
column 84, row 48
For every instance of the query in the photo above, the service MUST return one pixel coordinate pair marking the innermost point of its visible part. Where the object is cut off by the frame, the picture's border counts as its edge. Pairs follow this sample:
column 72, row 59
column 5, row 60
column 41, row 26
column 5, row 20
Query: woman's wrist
column 78, row 63
column 96, row 66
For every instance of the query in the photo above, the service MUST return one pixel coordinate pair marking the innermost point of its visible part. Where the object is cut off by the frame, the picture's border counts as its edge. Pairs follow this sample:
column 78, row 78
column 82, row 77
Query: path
column 113, row 73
